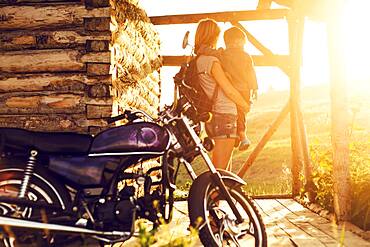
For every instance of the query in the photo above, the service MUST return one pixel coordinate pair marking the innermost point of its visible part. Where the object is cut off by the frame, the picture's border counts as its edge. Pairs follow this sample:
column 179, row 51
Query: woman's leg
column 222, row 152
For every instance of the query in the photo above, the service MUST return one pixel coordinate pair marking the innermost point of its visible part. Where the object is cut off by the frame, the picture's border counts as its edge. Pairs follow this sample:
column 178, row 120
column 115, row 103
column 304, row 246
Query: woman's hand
column 222, row 80
column 254, row 94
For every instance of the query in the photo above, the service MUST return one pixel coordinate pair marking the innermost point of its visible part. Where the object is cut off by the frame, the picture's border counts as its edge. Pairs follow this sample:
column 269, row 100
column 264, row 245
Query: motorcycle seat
column 47, row 142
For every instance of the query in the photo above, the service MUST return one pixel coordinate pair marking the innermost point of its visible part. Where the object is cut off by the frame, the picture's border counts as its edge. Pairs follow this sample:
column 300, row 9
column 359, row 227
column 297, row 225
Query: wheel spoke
column 234, row 240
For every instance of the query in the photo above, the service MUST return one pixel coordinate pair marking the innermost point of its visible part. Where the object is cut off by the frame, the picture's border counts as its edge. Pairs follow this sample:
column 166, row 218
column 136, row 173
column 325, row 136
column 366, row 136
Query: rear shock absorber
column 28, row 172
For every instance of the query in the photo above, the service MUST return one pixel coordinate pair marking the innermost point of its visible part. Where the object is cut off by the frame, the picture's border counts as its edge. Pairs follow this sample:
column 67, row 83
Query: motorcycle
column 56, row 186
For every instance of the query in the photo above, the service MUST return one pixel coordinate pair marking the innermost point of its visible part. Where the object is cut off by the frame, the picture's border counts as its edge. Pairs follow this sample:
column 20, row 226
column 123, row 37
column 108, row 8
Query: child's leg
column 241, row 128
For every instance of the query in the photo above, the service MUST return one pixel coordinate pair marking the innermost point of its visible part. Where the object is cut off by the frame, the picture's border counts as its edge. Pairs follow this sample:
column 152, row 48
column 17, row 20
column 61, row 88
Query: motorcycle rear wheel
column 212, row 216
column 42, row 189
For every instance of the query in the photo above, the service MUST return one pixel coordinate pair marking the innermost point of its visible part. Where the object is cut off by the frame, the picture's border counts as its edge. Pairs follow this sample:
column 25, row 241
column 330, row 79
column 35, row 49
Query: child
column 238, row 66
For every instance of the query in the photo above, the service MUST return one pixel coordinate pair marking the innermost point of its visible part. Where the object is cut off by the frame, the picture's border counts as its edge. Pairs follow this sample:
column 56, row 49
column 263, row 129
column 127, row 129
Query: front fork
column 216, row 176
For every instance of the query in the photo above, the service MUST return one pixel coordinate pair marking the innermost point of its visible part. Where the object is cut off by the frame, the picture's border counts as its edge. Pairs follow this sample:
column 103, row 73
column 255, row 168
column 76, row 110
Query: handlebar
column 129, row 115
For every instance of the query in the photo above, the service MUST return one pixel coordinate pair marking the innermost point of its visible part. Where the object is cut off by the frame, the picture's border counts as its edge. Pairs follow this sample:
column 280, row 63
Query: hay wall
column 135, row 58
column 55, row 63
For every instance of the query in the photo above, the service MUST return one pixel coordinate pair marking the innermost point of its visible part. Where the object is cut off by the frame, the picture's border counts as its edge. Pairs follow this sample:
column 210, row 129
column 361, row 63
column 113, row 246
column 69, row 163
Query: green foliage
column 360, row 180
column 146, row 237
column 322, row 177
column 164, row 236
column 182, row 192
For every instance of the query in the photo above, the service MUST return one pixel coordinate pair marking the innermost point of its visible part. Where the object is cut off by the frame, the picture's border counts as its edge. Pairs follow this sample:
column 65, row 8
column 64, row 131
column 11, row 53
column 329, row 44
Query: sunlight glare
column 357, row 40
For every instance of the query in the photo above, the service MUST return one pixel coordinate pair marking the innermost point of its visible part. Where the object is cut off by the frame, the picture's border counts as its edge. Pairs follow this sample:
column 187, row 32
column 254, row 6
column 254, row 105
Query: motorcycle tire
column 211, row 215
column 42, row 187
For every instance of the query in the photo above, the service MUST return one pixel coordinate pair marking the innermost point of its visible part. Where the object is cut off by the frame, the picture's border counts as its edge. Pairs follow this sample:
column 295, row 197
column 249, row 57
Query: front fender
column 225, row 175
column 231, row 176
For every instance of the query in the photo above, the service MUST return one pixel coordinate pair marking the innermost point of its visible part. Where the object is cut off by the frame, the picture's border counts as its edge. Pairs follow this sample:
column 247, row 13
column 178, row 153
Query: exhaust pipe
column 6, row 221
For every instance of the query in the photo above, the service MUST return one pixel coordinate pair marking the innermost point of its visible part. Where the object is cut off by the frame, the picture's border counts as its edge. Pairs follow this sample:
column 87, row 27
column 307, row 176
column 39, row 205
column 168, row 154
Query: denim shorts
column 222, row 126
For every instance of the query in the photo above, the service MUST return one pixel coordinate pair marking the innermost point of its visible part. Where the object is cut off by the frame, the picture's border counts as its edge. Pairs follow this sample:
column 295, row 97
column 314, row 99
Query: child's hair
column 234, row 34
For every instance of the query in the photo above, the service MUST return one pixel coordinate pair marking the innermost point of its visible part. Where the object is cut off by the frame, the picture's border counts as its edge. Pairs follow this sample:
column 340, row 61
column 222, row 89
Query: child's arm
column 251, row 73
column 224, row 83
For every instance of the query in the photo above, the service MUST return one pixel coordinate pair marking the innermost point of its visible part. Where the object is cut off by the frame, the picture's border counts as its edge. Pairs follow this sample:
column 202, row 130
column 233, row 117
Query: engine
column 116, row 214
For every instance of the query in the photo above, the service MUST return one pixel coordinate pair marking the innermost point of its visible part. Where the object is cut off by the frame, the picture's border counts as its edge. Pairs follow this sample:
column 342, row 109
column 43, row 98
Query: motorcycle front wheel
column 212, row 216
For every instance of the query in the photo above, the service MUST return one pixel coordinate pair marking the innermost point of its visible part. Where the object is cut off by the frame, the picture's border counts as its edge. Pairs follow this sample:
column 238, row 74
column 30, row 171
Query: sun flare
column 356, row 18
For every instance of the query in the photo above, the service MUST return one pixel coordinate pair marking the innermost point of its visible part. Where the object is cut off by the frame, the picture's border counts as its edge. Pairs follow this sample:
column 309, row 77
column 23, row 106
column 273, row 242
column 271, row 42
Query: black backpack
column 195, row 93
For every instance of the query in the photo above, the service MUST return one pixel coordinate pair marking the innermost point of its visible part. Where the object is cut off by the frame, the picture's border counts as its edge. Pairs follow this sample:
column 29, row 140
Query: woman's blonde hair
column 207, row 34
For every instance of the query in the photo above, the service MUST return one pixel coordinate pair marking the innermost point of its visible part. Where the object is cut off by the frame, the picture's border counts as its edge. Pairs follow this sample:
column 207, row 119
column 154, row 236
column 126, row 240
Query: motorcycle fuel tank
column 135, row 138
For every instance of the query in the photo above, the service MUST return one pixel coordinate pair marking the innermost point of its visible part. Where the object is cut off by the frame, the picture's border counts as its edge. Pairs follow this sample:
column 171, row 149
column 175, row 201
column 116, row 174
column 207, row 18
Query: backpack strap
column 215, row 94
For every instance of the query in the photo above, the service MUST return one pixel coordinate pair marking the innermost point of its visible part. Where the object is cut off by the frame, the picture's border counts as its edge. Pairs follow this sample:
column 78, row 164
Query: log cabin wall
column 55, row 61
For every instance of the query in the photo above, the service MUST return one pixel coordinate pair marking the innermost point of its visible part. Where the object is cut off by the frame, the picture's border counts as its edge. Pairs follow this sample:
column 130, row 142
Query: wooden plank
column 297, row 235
column 47, row 16
column 342, row 236
column 264, row 140
column 303, row 214
column 276, row 236
column 248, row 15
column 19, row 40
column 41, row 61
column 44, row 122
column 17, row 2
column 98, row 111
column 325, row 231
column 288, row 196
column 98, row 69
column 275, row 60
column 64, row 82
column 97, row 3
column 99, row 24
column 42, row 102
column 96, row 57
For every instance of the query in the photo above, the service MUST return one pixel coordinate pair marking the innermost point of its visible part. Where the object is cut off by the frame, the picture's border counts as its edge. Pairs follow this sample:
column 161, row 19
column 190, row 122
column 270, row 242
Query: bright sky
column 274, row 35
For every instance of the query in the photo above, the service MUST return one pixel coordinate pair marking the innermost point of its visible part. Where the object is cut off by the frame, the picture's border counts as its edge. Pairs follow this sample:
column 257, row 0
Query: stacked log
column 54, row 65
column 57, row 59
column 135, row 58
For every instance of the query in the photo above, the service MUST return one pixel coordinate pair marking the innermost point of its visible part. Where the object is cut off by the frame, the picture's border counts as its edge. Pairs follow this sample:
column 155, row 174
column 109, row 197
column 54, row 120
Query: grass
column 270, row 173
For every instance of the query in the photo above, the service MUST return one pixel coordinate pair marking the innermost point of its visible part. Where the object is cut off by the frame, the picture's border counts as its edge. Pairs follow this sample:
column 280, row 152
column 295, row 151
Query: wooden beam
column 263, row 49
column 266, row 137
column 288, row 196
column 253, row 40
column 19, row 40
column 46, row 16
column 308, row 169
column 41, row 61
column 295, row 27
column 65, row 82
column 249, row 15
column 51, row 60
column 275, row 60
column 19, row 2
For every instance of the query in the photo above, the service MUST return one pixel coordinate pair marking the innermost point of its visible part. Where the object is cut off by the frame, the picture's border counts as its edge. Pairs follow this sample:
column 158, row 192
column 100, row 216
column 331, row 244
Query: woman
column 222, row 127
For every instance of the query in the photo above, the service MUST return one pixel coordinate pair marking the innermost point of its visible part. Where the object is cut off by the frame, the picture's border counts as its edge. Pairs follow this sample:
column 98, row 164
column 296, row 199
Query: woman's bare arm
column 222, row 80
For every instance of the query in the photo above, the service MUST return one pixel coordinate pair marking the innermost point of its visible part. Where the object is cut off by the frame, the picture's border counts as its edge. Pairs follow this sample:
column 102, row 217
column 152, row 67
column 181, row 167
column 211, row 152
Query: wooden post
column 295, row 26
column 309, row 185
column 266, row 137
column 268, row 54
column 339, row 119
